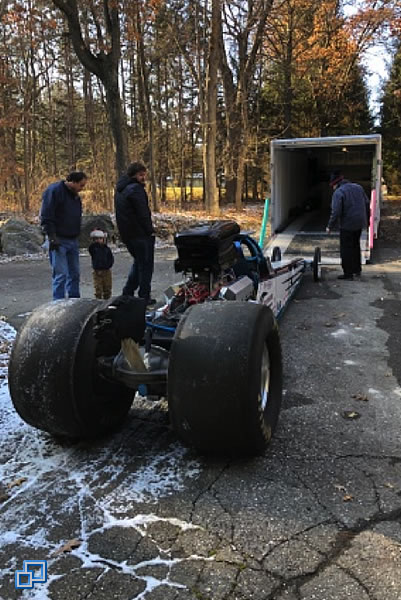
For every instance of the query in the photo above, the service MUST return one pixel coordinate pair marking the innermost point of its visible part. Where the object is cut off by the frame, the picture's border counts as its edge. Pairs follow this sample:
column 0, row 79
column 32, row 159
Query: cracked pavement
column 317, row 517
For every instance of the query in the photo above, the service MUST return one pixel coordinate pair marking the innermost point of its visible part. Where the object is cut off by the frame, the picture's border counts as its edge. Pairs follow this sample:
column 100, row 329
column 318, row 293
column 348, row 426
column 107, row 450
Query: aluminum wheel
column 265, row 379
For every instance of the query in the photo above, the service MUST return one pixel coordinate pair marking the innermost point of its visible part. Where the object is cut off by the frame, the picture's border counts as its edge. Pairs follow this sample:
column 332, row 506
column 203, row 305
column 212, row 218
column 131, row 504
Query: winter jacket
column 61, row 211
column 349, row 207
column 102, row 256
column 133, row 214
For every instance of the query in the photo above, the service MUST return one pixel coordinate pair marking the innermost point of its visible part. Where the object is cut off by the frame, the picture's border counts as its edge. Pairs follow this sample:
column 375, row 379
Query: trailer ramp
column 305, row 234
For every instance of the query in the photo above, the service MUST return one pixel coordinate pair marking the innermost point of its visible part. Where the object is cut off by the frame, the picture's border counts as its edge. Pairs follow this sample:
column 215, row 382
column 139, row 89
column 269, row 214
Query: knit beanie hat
column 335, row 177
column 98, row 233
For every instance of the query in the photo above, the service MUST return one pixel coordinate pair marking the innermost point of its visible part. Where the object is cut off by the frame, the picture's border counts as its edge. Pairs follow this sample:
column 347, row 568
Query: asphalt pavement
column 26, row 283
column 136, row 515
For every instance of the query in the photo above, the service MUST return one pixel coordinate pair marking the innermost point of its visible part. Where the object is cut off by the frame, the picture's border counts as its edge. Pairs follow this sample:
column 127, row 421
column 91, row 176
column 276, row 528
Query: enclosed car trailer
column 301, row 196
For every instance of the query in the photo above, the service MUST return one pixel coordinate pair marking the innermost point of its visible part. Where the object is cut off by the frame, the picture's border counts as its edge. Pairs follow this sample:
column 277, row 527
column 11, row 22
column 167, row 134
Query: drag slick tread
column 53, row 378
column 215, row 374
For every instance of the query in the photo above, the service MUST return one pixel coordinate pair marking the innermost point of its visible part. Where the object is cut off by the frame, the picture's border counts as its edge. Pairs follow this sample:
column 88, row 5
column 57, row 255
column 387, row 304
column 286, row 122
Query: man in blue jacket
column 134, row 222
column 350, row 210
column 60, row 217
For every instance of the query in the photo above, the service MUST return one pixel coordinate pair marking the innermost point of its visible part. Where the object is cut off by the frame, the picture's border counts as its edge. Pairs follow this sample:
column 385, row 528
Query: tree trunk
column 248, row 35
column 209, row 142
column 117, row 123
column 104, row 65
column 148, row 111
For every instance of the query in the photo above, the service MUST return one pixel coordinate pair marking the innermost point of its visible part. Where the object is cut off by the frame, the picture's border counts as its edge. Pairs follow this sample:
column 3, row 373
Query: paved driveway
column 318, row 517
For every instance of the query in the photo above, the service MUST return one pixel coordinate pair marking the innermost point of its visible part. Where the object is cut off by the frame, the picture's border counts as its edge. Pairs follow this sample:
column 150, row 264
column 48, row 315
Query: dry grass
column 250, row 218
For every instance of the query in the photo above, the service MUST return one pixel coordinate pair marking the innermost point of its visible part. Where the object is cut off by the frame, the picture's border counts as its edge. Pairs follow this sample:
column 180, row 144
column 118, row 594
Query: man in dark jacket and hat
column 134, row 222
column 350, row 210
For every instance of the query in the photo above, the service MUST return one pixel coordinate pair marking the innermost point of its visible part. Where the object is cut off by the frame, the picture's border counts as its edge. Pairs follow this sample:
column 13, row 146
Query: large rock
column 167, row 225
column 17, row 237
column 91, row 222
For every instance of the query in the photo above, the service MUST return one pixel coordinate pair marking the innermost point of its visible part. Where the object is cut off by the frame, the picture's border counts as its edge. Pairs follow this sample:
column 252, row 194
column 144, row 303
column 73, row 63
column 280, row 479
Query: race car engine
column 209, row 254
column 207, row 248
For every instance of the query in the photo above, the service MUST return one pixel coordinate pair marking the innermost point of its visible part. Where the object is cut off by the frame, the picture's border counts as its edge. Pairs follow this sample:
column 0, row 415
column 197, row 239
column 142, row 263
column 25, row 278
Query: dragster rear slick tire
column 225, row 378
column 54, row 381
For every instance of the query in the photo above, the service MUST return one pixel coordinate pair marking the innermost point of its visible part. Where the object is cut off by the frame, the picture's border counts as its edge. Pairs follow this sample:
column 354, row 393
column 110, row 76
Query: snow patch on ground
column 44, row 481
column 339, row 332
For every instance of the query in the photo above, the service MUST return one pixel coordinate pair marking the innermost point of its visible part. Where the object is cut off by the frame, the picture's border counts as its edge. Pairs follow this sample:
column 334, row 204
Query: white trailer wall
column 300, row 171
column 289, row 183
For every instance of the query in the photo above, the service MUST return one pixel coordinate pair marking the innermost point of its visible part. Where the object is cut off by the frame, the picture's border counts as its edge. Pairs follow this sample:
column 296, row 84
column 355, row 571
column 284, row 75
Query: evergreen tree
column 390, row 126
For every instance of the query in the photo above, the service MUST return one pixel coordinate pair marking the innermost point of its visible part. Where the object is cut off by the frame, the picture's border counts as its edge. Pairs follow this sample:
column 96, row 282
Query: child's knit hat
column 98, row 233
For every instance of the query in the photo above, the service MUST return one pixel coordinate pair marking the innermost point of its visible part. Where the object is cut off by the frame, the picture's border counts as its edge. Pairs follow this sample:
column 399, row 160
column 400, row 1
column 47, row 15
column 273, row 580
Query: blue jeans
column 140, row 275
column 65, row 269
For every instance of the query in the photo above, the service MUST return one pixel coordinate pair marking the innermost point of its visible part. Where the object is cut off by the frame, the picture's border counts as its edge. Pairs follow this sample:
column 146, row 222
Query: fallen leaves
column 68, row 547
column 16, row 482
column 341, row 488
column 348, row 498
column 3, row 497
column 351, row 414
column 360, row 397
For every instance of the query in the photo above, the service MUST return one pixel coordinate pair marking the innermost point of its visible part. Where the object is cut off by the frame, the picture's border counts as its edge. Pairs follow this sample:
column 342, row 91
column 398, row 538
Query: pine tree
column 390, row 126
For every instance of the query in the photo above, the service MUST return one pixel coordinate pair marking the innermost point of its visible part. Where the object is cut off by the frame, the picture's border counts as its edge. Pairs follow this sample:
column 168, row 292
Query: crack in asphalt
column 343, row 542
column 107, row 498
column 208, row 488
column 357, row 580
column 296, row 536
column 371, row 477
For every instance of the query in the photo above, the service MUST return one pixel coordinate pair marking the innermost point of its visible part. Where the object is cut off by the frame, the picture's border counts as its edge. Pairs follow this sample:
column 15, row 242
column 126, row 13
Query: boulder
column 17, row 237
column 91, row 222
column 166, row 226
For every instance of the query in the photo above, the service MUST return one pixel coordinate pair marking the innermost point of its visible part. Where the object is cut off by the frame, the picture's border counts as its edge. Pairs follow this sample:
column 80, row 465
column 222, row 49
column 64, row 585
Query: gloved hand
column 54, row 244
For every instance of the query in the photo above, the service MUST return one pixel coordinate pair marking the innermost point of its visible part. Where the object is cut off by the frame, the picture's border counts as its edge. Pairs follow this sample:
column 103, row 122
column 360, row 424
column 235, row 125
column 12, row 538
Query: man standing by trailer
column 60, row 217
column 350, row 210
column 134, row 222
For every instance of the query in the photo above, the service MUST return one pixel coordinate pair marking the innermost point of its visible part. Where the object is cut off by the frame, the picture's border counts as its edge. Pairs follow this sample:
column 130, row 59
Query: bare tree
column 210, row 124
column 144, row 79
column 104, row 64
column 3, row 7
column 241, row 36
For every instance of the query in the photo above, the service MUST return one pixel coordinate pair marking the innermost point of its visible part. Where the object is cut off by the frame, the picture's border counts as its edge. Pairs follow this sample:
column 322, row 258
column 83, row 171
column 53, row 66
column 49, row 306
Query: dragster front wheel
column 53, row 376
column 316, row 267
column 225, row 377
column 276, row 254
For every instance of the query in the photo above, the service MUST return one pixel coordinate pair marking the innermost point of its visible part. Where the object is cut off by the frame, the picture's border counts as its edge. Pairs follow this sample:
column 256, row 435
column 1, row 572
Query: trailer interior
column 301, row 196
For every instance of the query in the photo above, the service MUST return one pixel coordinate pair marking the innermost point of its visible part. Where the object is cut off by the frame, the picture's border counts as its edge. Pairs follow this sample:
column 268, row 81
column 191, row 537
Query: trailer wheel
column 276, row 254
column 317, row 257
column 53, row 377
column 225, row 377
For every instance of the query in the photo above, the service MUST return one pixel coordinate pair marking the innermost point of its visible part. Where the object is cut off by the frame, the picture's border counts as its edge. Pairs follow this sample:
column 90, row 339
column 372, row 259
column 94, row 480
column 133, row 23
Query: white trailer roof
column 344, row 140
